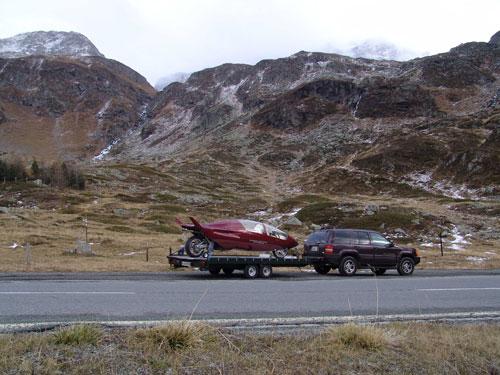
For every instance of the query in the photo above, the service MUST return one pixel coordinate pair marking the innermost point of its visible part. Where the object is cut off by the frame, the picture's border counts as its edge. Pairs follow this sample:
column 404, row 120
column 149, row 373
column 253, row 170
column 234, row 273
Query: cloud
column 158, row 38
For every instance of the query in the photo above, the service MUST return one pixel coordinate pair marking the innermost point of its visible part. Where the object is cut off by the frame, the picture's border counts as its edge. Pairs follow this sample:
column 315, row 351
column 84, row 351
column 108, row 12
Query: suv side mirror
column 390, row 244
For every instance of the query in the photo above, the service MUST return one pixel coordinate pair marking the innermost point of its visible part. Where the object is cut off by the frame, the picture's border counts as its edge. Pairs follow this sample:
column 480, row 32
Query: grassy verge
column 196, row 348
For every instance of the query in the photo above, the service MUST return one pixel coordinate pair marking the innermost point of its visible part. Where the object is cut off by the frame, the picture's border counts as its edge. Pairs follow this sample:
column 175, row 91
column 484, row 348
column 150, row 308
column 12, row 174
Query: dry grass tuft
column 78, row 335
column 356, row 337
column 174, row 336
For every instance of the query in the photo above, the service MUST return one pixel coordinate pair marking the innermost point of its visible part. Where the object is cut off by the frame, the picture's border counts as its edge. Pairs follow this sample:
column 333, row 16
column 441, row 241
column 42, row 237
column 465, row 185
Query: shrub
column 57, row 175
column 62, row 175
column 12, row 171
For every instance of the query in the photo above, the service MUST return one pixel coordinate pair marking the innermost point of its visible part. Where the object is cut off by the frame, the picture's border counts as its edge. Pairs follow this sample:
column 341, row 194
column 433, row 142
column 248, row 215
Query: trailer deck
column 252, row 266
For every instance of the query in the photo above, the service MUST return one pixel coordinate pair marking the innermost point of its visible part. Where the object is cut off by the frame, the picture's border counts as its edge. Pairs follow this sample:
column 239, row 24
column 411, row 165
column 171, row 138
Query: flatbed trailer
column 252, row 266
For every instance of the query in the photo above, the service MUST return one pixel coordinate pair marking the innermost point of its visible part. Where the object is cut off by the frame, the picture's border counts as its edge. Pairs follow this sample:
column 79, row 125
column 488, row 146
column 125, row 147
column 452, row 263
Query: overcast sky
column 158, row 38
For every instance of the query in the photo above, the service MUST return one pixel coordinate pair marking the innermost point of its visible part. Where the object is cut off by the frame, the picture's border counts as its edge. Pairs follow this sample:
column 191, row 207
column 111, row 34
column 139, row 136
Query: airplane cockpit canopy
column 257, row 227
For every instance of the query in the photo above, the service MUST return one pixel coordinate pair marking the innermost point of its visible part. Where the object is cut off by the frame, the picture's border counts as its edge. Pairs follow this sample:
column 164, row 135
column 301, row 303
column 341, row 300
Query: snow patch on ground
column 103, row 109
column 259, row 213
column 105, row 151
column 458, row 242
column 228, row 96
column 476, row 259
column 288, row 214
column 425, row 182
column 428, row 244
column 132, row 253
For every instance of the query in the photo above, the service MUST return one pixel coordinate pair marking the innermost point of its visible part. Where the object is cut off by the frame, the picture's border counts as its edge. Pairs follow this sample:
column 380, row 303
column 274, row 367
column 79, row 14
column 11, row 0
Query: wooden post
column 147, row 252
column 442, row 234
column 85, row 222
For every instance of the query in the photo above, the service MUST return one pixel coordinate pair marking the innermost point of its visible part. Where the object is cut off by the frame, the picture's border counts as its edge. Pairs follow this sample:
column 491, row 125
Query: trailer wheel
column 266, row 271
column 227, row 270
column 214, row 270
column 251, row 271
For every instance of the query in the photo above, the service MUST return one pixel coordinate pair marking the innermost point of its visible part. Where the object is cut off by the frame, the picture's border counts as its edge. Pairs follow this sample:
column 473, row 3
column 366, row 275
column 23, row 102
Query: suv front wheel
column 406, row 266
column 348, row 266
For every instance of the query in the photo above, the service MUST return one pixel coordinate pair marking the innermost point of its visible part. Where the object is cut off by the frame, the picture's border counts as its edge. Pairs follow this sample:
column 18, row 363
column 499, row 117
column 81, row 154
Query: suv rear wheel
column 322, row 269
column 348, row 266
column 406, row 266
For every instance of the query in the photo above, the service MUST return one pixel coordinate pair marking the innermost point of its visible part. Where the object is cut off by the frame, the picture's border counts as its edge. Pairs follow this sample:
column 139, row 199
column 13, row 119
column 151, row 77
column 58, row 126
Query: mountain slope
column 66, row 107
column 326, row 122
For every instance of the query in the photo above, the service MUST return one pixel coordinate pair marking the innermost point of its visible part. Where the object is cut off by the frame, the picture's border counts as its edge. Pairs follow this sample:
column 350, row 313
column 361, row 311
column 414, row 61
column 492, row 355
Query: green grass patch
column 102, row 218
column 348, row 216
column 162, row 228
column 300, row 201
column 165, row 197
column 122, row 229
column 137, row 198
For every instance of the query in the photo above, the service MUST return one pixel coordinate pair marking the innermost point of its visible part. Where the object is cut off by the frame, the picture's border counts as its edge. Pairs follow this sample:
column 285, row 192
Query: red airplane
column 236, row 234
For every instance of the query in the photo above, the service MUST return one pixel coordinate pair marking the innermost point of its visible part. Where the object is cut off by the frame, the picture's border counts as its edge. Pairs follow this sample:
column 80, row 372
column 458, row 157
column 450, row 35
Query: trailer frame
column 252, row 266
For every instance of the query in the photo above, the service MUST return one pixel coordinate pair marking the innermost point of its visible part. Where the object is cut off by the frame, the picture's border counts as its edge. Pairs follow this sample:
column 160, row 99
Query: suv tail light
column 416, row 253
column 329, row 249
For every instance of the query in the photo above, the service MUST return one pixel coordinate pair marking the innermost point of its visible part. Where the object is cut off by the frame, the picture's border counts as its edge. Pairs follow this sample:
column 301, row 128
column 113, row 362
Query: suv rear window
column 318, row 237
column 345, row 237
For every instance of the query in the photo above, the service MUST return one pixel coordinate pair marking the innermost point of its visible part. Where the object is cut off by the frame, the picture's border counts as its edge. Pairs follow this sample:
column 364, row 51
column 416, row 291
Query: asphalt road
column 171, row 295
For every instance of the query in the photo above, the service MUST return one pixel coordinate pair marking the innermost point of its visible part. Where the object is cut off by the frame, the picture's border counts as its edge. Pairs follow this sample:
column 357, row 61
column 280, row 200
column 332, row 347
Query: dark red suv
column 352, row 249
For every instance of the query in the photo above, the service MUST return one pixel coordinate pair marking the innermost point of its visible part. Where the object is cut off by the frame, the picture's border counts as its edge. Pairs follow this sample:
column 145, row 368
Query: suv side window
column 363, row 238
column 344, row 237
column 318, row 237
column 378, row 240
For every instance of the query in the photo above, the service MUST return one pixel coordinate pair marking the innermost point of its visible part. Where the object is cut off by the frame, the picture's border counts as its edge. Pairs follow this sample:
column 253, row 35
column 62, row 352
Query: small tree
column 35, row 169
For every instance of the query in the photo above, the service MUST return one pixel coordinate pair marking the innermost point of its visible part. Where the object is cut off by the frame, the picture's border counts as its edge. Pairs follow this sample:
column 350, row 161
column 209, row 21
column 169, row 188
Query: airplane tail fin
column 195, row 222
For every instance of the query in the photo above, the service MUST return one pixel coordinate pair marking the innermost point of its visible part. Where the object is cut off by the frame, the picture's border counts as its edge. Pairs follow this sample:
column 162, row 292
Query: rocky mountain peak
column 55, row 43
column 495, row 39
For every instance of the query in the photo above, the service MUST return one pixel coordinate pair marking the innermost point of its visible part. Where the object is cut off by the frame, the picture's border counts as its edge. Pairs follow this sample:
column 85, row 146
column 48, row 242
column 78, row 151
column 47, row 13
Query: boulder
column 401, row 232
column 292, row 220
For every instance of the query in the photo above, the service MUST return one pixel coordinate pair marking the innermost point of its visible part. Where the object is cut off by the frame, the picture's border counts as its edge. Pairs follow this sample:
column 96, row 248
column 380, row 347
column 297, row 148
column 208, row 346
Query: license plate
column 314, row 248
column 185, row 264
